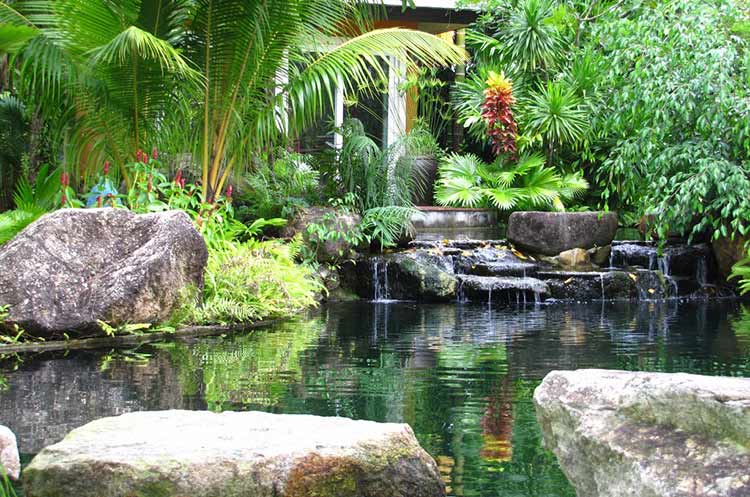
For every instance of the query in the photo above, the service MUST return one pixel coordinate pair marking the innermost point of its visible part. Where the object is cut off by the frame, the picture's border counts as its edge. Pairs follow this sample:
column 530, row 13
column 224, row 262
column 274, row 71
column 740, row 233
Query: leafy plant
column 6, row 487
column 279, row 189
column 555, row 114
column 466, row 181
column 203, row 73
column 251, row 281
column 672, row 127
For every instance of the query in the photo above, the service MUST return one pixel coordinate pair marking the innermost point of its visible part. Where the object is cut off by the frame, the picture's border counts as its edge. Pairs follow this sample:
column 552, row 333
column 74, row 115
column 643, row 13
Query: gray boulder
column 9, row 459
column 550, row 233
column 618, row 433
column 234, row 454
column 340, row 225
column 73, row 267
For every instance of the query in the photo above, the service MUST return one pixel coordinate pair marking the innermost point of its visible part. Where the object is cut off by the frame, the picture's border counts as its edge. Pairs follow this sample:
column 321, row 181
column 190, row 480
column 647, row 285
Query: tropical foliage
column 218, row 81
column 251, row 281
column 466, row 181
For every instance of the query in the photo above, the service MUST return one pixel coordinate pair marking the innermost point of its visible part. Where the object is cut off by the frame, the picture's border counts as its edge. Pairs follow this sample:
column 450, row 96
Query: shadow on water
column 461, row 376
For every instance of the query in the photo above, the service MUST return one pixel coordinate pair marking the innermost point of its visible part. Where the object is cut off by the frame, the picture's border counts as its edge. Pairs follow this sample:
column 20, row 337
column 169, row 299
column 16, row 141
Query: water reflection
column 461, row 376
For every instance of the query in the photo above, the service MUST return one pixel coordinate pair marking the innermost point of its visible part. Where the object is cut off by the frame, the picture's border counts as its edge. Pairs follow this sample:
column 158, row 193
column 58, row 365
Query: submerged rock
column 550, row 233
column 234, row 454
column 73, row 267
column 618, row 433
column 9, row 459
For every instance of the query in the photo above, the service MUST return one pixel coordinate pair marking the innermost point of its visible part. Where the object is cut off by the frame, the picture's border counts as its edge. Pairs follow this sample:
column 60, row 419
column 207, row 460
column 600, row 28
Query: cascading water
column 380, row 281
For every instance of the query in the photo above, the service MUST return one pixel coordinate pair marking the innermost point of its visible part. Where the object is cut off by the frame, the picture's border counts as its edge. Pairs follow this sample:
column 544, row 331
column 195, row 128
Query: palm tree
column 220, row 79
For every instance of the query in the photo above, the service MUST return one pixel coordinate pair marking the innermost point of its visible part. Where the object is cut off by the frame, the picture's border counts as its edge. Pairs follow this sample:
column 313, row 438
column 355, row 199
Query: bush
column 251, row 281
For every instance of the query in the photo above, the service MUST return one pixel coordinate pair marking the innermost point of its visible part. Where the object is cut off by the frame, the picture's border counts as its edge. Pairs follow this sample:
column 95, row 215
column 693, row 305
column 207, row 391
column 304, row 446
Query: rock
column 417, row 276
column 600, row 255
column 502, row 289
column 9, row 459
column 233, row 454
column 729, row 252
column 618, row 433
column 575, row 259
column 591, row 285
column 73, row 267
column 550, row 233
column 343, row 223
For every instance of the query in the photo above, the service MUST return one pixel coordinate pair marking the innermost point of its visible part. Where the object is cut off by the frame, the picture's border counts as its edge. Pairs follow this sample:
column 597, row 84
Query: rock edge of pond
column 233, row 454
column 619, row 433
column 134, row 339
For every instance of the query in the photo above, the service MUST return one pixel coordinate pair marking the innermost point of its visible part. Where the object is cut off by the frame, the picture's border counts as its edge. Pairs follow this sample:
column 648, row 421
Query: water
column 462, row 376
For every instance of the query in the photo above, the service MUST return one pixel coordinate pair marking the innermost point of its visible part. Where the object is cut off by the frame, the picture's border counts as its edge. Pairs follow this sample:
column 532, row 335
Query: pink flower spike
column 106, row 167
column 154, row 153
column 229, row 192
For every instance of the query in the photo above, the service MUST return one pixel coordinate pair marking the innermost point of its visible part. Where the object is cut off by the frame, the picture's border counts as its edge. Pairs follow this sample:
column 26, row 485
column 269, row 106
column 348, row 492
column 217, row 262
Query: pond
column 462, row 376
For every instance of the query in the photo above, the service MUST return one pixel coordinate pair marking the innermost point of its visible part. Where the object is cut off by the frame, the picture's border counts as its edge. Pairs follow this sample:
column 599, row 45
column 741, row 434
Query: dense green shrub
column 250, row 281
column 673, row 129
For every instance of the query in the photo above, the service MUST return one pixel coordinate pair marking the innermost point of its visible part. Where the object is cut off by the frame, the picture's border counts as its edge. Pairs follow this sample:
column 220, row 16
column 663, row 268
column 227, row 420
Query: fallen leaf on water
column 651, row 291
column 633, row 277
column 568, row 280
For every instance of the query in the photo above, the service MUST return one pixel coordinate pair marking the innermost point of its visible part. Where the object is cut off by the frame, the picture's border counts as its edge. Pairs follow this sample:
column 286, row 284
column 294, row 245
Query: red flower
column 154, row 153
column 99, row 201
column 182, row 183
column 138, row 155
column 65, row 180
column 178, row 178
column 106, row 167
column 497, row 112
column 64, row 199
column 145, row 158
column 229, row 192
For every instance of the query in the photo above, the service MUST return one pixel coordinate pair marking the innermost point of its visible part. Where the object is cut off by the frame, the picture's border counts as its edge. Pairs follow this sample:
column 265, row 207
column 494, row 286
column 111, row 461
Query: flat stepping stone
column 234, row 454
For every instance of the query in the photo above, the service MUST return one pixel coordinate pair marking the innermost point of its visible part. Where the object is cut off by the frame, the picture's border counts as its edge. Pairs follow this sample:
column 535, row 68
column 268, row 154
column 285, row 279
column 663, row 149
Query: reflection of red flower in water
column 497, row 424
column 497, row 113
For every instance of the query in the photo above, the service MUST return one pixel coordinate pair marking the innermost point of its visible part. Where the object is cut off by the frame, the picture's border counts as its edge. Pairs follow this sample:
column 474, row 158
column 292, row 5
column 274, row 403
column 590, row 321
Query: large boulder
column 9, row 458
column 329, row 231
column 234, row 454
column 73, row 267
column 618, row 433
column 728, row 252
column 550, row 233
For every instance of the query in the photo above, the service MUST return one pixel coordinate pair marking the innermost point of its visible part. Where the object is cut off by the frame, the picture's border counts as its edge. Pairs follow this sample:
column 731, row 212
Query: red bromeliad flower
column 106, row 167
column 154, row 153
column 178, row 177
column 497, row 112
column 229, row 193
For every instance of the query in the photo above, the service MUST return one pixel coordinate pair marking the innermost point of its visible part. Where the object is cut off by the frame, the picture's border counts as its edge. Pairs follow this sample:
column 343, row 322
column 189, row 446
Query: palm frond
column 458, row 191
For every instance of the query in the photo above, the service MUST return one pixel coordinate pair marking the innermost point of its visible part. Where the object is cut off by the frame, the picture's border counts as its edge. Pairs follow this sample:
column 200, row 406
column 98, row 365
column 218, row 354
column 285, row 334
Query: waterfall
column 380, row 281
column 601, row 280
column 701, row 272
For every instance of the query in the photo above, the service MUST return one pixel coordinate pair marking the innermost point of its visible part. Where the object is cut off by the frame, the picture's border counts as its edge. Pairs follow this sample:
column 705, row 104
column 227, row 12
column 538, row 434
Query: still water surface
column 462, row 376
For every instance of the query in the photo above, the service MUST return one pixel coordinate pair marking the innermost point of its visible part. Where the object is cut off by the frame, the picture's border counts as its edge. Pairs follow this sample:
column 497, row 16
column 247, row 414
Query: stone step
column 504, row 268
column 509, row 289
